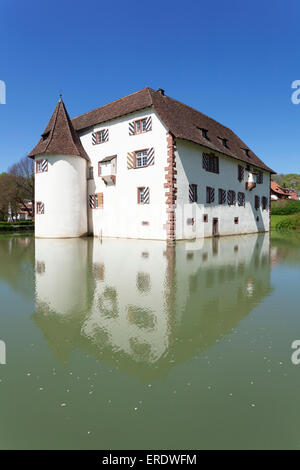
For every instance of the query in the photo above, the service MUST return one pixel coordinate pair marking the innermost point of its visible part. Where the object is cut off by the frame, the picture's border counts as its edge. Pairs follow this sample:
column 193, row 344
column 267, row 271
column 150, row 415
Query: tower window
column 40, row 208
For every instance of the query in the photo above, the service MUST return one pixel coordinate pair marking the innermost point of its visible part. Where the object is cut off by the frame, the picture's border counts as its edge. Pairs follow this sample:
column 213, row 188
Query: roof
column 108, row 159
column 288, row 192
column 182, row 121
column 59, row 137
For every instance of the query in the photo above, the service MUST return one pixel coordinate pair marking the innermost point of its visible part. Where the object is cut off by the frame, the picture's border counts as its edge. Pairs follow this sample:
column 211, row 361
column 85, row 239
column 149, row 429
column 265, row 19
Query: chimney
column 161, row 91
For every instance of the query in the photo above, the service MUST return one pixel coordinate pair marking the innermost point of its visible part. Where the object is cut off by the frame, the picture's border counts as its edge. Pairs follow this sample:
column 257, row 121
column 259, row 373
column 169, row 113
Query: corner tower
column 60, row 179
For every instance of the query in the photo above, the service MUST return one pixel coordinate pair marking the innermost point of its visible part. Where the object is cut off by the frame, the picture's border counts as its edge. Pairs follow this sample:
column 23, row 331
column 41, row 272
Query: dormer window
column 45, row 136
column 224, row 142
column 247, row 152
column 204, row 133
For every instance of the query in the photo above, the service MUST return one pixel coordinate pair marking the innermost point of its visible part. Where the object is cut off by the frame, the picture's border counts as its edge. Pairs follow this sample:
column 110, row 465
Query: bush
column 286, row 224
column 291, row 207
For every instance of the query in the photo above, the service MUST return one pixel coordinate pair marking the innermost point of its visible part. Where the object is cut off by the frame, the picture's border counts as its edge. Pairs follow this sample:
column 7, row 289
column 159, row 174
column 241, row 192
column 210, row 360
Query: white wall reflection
column 143, row 303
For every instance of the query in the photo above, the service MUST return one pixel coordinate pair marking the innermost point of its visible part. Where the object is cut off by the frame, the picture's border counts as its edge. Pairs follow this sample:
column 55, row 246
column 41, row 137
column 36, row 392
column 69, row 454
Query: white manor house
column 146, row 166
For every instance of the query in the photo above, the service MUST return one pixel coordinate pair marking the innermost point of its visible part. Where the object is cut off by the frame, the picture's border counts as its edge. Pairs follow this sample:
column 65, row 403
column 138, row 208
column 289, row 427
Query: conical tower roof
column 59, row 137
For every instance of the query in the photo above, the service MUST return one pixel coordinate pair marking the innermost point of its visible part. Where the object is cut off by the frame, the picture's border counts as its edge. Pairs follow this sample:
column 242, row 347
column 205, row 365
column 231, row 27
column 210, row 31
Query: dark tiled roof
column 182, row 121
column 59, row 137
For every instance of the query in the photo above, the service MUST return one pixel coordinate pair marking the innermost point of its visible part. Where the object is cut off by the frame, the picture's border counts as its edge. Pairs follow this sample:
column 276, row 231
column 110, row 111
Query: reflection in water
column 144, row 305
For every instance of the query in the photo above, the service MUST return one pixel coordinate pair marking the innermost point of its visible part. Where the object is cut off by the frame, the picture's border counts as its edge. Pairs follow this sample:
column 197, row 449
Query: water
column 130, row 344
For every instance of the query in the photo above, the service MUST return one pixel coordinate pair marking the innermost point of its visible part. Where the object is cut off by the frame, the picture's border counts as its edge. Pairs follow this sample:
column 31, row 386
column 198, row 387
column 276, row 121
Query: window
column 100, row 137
column 210, row 195
column 143, row 195
column 193, row 197
column 140, row 126
column 141, row 158
column 40, row 208
column 231, row 198
column 222, row 196
column 241, row 172
column 211, row 163
column 205, row 217
column 90, row 172
column 236, row 220
column 260, row 177
column 96, row 200
column 41, row 166
column 257, row 202
column 204, row 133
column 241, row 199
column 247, row 152
column 264, row 203
column 224, row 142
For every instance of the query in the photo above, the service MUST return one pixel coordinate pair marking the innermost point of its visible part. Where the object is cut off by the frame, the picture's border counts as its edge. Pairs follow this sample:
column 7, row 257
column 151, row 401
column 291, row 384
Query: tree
column 17, row 188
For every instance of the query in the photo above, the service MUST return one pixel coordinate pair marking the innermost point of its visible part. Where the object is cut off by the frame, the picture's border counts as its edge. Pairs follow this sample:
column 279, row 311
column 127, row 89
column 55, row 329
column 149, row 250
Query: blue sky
column 234, row 61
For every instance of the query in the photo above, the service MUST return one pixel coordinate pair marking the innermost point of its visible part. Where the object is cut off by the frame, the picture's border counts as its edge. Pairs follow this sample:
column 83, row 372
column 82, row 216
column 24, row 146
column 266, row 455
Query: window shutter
column 105, row 135
column 131, row 128
column 146, row 195
column 149, row 124
column 150, row 156
column 45, row 165
column 241, row 199
column 222, row 196
column 205, row 161
column 94, row 138
column 92, row 201
column 130, row 160
column 212, row 194
column 257, row 202
column 241, row 171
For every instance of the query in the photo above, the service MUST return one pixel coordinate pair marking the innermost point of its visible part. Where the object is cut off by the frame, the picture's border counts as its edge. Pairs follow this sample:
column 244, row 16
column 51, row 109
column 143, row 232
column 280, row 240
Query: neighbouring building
column 278, row 192
column 146, row 166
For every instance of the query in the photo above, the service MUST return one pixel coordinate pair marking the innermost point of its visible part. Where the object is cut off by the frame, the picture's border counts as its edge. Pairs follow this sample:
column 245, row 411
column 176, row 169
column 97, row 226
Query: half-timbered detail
column 231, row 197
column 41, row 166
column 202, row 166
column 100, row 137
column 210, row 195
column 193, row 196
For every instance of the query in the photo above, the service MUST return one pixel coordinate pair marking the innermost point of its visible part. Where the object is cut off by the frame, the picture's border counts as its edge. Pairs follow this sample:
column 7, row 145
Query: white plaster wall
column 190, row 171
column 121, row 216
column 63, row 190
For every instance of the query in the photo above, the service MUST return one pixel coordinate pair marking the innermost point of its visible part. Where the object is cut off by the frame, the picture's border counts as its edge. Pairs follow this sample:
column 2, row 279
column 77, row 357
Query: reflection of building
column 146, row 306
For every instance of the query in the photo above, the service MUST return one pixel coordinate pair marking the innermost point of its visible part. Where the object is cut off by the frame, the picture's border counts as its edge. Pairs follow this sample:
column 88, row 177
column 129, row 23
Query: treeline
column 291, row 180
column 17, row 188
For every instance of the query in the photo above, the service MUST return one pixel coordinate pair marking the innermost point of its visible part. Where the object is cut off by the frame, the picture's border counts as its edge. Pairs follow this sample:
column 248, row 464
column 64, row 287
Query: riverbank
column 20, row 226
column 285, row 215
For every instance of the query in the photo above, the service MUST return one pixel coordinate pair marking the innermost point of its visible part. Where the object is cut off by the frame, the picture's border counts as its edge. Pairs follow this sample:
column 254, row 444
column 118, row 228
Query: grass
column 285, row 215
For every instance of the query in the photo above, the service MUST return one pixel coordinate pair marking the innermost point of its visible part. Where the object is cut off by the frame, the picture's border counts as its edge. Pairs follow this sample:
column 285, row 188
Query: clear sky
column 233, row 60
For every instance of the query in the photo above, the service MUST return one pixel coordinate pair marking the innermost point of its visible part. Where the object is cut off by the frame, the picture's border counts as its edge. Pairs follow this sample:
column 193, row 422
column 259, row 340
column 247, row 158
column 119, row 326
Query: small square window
column 140, row 126
column 236, row 220
column 40, row 208
column 205, row 218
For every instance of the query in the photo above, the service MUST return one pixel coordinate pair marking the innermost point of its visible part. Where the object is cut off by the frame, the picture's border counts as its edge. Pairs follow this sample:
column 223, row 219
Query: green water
column 130, row 344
